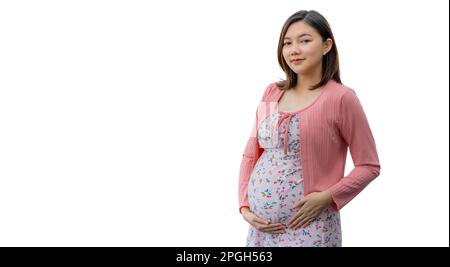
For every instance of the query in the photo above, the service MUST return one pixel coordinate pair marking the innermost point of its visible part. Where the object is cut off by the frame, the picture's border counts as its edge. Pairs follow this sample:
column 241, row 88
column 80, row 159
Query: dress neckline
column 308, row 106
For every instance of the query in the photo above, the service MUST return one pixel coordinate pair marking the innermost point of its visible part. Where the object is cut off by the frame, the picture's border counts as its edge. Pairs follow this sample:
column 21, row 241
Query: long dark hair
column 330, row 62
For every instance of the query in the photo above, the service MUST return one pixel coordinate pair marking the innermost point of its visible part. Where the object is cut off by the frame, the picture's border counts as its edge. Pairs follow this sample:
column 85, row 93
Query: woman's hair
column 330, row 62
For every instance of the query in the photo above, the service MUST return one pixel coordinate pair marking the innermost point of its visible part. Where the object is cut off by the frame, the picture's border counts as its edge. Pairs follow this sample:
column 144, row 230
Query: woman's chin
column 301, row 71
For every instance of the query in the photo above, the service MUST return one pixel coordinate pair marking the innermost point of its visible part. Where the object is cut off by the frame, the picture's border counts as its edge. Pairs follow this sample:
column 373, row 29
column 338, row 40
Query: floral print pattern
column 276, row 184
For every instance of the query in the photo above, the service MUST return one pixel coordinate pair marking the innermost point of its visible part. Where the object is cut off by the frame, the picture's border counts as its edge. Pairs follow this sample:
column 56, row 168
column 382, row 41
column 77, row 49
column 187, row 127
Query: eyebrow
column 301, row 35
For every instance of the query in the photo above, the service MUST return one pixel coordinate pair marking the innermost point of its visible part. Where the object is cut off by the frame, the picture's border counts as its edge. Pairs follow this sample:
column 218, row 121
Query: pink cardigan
column 334, row 122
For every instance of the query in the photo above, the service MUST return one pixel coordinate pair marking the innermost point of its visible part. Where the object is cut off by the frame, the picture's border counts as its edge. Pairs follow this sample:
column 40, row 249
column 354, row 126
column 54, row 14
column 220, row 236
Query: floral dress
column 276, row 183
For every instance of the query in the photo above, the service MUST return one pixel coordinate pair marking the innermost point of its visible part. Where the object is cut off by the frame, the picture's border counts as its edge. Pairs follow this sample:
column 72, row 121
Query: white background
column 122, row 123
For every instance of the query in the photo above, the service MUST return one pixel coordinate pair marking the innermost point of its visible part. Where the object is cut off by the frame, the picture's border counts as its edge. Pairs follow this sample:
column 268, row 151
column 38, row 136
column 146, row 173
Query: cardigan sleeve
column 355, row 130
column 251, row 154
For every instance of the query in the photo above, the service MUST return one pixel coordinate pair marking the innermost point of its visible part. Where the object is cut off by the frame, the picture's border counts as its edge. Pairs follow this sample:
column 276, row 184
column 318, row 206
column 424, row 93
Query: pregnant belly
column 274, row 187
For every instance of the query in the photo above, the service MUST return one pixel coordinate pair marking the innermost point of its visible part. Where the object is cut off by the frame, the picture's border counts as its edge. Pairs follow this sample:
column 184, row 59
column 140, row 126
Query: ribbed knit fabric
column 334, row 122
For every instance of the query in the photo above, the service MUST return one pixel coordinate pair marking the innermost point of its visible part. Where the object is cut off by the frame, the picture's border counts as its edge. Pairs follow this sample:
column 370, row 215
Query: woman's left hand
column 310, row 207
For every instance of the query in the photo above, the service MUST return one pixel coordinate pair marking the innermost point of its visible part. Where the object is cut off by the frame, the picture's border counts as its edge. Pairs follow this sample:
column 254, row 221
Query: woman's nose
column 296, row 50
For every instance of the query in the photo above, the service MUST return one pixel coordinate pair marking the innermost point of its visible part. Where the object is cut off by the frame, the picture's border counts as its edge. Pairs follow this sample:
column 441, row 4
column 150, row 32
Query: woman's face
column 304, row 42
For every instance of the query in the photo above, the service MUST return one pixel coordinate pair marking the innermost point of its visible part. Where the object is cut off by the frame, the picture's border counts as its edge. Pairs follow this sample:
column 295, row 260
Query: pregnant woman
column 291, row 181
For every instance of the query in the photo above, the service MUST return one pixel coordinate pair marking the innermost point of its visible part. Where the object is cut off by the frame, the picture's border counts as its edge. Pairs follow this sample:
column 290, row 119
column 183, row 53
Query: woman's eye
column 304, row 41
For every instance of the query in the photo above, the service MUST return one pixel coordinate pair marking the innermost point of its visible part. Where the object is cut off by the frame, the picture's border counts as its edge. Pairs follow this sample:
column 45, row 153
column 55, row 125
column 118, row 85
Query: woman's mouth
column 297, row 61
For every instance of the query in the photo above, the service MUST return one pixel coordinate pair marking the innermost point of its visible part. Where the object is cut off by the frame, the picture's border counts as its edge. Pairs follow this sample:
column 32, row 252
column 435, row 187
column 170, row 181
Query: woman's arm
column 249, row 158
column 252, row 151
column 355, row 130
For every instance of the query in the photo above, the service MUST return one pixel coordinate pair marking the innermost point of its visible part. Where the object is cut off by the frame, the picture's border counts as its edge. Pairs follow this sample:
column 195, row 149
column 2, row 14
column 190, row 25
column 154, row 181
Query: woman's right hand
column 262, row 225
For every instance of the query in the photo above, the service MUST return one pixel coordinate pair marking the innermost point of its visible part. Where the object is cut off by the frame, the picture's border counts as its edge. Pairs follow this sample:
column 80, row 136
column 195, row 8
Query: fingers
column 264, row 225
column 278, row 232
column 302, row 221
column 301, row 218
column 300, row 203
column 305, row 222
column 294, row 218
column 273, row 227
column 295, row 222
column 260, row 220
column 269, row 228
column 277, row 228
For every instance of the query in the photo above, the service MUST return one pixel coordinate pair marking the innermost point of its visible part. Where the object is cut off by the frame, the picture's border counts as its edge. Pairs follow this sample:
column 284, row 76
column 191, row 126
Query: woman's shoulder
column 343, row 95
column 339, row 92
column 338, row 88
column 272, row 91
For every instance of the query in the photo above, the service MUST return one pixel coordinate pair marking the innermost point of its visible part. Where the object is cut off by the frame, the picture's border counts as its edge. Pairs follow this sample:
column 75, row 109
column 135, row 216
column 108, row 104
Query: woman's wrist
column 245, row 209
column 328, row 197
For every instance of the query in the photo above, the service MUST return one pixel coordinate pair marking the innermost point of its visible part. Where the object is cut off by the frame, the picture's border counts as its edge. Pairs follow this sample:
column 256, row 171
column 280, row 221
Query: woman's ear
column 328, row 44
